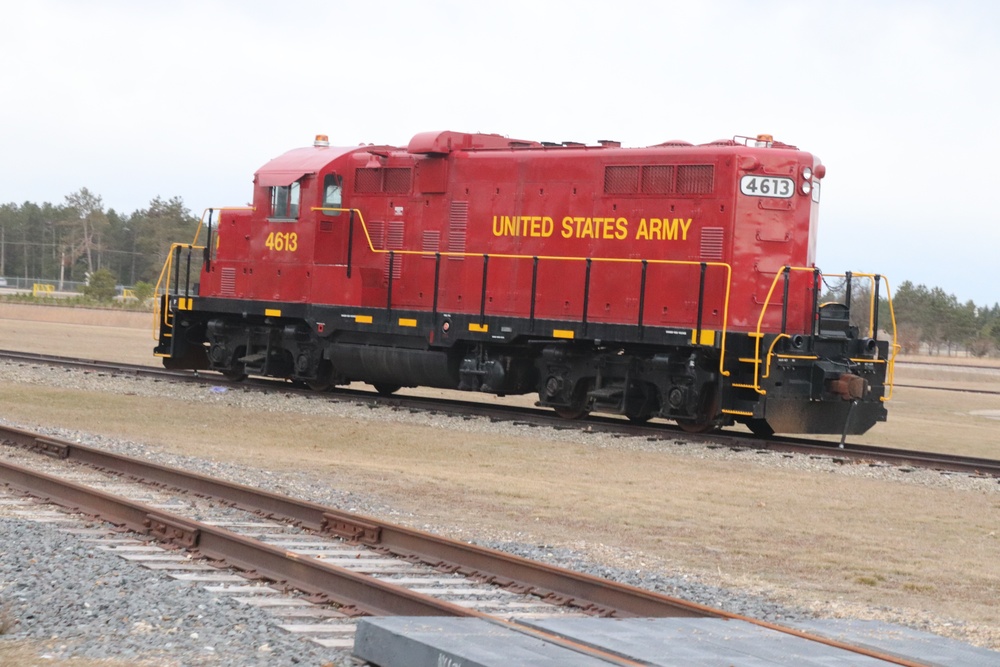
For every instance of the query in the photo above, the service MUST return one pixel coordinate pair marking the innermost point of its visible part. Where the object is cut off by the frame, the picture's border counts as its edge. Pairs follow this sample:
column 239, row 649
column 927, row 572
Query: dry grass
column 844, row 544
column 31, row 654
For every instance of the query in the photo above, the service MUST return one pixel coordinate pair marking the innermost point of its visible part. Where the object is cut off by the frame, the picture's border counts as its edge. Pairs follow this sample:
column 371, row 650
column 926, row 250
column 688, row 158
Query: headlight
column 806, row 187
column 807, row 174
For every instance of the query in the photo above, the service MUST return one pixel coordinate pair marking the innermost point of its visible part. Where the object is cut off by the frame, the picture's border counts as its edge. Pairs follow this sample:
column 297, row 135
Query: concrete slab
column 659, row 642
column 915, row 645
column 701, row 642
column 469, row 642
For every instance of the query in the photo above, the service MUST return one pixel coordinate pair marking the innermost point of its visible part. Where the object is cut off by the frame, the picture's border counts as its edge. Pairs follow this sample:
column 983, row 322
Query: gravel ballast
column 85, row 602
column 47, row 578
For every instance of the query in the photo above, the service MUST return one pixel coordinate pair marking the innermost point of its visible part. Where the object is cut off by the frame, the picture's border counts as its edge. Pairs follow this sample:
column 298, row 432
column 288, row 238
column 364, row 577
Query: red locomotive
column 674, row 281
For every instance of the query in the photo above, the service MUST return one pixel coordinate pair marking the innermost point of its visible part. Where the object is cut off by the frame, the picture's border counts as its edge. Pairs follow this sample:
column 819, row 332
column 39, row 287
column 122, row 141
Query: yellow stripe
column 707, row 337
column 481, row 328
column 741, row 413
column 406, row 322
column 563, row 333
column 363, row 319
column 271, row 312
column 185, row 304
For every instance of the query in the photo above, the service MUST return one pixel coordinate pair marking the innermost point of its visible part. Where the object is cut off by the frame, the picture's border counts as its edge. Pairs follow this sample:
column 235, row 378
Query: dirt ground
column 842, row 544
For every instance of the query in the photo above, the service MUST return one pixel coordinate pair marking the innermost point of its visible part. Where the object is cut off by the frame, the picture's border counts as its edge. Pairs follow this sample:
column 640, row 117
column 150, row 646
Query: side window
column 333, row 191
column 285, row 201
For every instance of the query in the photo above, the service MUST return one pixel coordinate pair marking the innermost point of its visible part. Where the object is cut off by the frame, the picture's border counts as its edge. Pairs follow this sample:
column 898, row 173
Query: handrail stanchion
column 875, row 298
column 642, row 297
column 534, row 287
column 815, row 311
column 388, row 296
column 437, row 283
column 350, row 242
column 701, row 303
column 787, row 270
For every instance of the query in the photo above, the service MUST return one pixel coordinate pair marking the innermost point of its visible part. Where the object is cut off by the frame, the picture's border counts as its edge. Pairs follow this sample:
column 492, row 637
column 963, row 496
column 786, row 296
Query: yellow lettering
column 567, row 227
column 642, row 234
column 571, row 227
column 621, row 227
column 607, row 228
column 524, row 225
column 670, row 229
column 656, row 229
column 685, row 225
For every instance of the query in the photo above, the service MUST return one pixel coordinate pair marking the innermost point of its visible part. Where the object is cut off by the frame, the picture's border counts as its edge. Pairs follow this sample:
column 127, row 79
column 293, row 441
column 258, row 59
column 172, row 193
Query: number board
column 767, row 186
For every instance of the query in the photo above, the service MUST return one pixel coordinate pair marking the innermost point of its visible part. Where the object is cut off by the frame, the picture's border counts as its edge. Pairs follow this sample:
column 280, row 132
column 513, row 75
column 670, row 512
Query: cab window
column 285, row 201
column 333, row 193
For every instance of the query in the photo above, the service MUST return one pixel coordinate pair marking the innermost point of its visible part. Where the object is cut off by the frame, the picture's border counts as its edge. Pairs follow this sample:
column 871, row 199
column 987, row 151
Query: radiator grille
column 458, row 221
column 376, row 230
column 394, row 241
column 695, row 179
column 430, row 242
column 227, row 281
column 396, row 180
column 382, row 180
column 659, row 179
column 367, row 181
column 712, row 244
column 621, row 180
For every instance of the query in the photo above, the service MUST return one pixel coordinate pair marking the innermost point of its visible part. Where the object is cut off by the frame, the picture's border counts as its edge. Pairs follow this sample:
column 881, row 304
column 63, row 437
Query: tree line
column 928, row 320
column 72, row 240
column 78, row 238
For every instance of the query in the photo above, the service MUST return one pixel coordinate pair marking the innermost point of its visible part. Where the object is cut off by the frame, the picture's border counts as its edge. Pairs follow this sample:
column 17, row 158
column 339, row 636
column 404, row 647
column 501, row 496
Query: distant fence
column 52, row 288
column 30, row 284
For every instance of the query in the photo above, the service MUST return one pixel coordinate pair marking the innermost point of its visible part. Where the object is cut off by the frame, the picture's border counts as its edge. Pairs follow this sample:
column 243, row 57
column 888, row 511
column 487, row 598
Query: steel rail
column 557, row 585
column 307, row 574
column 356, row 592
column 595, row 423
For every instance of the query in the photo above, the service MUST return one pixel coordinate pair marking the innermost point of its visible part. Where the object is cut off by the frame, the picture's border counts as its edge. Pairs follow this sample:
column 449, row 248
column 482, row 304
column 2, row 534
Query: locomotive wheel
column 638, row 416
column 318, row 385
column 386, row 389
column 696, row 427
column 572, row 412
column 234, row 374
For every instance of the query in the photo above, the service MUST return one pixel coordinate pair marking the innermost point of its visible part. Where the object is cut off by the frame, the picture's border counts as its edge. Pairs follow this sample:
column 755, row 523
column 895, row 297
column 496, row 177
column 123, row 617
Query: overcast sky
column 900, row 99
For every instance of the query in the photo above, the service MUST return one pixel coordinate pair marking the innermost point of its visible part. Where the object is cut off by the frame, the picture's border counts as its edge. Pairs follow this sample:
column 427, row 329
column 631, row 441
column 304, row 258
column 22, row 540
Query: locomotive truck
column 674, row 281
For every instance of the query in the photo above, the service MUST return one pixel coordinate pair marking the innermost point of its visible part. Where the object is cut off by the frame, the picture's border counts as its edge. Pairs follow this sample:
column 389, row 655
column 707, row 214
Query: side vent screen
column 660, row 179
column 458, row 221
column 712, row 244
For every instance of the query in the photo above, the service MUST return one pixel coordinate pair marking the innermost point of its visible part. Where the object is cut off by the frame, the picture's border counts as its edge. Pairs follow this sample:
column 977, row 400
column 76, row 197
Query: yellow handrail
column 164, row 279
column 164, row 282
column 567, row 258
column 758, row 335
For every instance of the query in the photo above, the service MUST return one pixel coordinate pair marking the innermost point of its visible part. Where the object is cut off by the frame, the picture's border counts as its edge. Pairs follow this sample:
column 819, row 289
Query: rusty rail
column 356, row 592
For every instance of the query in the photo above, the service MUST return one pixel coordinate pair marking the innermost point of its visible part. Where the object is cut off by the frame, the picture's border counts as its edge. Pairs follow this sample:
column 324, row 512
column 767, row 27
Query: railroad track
column 846, row 452
column 350, row 565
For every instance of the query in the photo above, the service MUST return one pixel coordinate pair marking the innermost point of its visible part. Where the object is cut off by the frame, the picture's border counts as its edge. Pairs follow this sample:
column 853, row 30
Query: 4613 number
column 282, row 241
